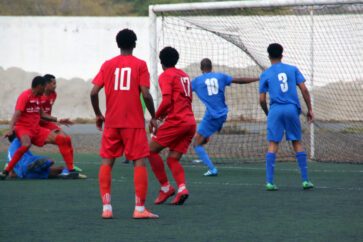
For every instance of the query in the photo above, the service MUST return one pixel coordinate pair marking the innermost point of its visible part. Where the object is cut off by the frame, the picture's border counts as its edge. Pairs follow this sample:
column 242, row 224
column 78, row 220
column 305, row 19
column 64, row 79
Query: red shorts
column 48, row 125
column 38, row 135
column 116, row 141
column 176, row 138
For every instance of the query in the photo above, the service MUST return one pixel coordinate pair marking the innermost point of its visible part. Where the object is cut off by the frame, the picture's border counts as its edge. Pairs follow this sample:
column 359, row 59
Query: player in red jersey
column 25, row 123
column 177, row 131
column 124, row 77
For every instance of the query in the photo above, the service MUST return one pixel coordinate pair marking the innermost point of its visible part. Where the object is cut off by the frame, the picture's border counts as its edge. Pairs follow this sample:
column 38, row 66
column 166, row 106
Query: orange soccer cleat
column 180, row 197
column 164, row 195
column 144, row 215
column 107, row 214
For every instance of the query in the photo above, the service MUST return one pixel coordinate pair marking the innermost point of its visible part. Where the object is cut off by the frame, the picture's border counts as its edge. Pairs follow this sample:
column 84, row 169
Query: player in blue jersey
column 34, row 167
column 210, row 89
column 280, row 81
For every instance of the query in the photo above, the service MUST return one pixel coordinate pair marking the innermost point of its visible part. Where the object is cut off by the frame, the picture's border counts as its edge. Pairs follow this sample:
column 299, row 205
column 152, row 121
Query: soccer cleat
column 307, row 185
column 213, row 172
column 144, row 215
column 36, row 164
column 107, row 214
column 271, row 187
column 180, row 197
column 81, row 176
column 3, row 175
column 164, row 195
column 77, row 168
column 72, row 174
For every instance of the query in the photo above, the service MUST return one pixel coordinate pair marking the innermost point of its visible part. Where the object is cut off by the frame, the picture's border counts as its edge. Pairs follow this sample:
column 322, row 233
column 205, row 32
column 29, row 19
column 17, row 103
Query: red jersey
column 46, row 103
column 29, row 105
column 122, row 77
column 176, row 82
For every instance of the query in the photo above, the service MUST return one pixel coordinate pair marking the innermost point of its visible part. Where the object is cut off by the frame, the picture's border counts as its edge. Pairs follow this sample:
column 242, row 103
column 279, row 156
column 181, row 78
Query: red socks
column 70, row 143
column 16, row 157
column 104, row 177
column 65, row 148
column 177, row 170
column 140, row 181
column 157, row 165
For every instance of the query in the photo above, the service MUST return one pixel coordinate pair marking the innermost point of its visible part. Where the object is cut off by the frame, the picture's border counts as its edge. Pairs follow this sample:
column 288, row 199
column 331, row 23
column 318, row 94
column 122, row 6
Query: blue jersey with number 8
column 210, row 89
column 280, row 82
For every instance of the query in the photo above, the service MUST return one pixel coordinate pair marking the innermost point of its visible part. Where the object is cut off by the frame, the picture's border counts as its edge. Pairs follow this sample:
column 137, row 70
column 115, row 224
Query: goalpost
column 323, row 38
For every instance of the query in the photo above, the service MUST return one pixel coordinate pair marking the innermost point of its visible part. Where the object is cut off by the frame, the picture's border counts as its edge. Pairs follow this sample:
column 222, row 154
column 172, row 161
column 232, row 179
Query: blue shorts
column 207, row 126
column 283, row 117
column 39, row 173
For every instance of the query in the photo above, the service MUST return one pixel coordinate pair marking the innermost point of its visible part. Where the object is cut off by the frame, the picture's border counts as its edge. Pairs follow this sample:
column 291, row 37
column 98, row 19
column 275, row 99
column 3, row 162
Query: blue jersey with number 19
column 280, row 82
column 210, row 89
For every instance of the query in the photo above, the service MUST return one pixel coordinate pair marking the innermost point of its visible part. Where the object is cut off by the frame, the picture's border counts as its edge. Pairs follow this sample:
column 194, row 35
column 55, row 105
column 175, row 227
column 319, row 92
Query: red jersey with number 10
column 122, row 77
column 176, row 82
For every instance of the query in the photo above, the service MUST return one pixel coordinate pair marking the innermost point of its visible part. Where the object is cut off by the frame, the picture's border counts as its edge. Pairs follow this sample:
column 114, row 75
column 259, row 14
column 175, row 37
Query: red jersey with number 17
column 122, row 77
column 176, row 83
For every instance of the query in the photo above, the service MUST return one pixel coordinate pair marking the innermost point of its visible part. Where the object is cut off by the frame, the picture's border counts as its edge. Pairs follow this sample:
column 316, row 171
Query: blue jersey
column 21, row 168
column 280, row 82
column 210, row 89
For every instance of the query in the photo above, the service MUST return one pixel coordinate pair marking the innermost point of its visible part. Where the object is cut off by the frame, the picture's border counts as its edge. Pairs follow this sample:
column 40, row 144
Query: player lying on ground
column 34, row 167
column 177, row 131
column 25, row 124
column 210, row 88
column 124, row 77
column 280, row 81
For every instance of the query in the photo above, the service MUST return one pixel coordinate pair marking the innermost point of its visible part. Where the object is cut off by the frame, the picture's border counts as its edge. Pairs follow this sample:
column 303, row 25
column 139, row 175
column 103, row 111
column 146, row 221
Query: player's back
column 280, row 81
column 122, row 77
column 177, row 83
column 210, row 88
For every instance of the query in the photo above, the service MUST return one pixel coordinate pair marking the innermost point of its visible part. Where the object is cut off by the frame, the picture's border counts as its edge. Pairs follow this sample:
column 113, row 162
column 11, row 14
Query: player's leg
column 270, row 165
column 104, row 177
column 293, row 133
column 25, row 145
column 55, row 171
column 158, row 168
column 65, row 148
column 198, row 147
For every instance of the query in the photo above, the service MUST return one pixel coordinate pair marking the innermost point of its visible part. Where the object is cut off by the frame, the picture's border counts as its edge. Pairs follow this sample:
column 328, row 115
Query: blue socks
column 270, row 165
column 204, row 157
column 301, row 159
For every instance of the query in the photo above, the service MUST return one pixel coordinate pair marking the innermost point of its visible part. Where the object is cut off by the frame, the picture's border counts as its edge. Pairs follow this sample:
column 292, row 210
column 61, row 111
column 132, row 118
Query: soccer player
column 124, row 77
column 280, row 81
column 210, row 88
column 33, row 167
column 177, row 131
column 25, row 124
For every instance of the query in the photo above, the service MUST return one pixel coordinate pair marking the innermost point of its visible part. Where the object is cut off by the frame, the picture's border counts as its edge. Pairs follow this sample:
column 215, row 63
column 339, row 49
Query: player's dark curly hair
column 38, row 80
column 275, row 50
column 48, row 78
column 126, row 39
column 169, row 56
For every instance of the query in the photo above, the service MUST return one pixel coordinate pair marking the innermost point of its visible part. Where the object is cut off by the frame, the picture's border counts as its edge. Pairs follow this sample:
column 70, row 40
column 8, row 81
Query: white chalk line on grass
column 251, row 185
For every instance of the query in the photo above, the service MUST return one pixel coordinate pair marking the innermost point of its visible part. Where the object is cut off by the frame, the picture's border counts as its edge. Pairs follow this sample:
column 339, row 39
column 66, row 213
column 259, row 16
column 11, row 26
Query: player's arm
column 149, row 103
column 161, row 113
column 305, row 92
column 47, row 117
column 263, row 103
column 96, row 107
column 244, row 80
column 15, row 118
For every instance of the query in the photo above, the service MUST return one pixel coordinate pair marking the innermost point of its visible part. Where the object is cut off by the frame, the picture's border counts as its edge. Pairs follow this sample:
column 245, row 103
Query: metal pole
column 153, row 47
column 312, row 136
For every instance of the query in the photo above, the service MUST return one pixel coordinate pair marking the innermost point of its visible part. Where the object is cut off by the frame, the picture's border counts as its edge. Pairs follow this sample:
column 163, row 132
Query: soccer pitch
column 231, row 207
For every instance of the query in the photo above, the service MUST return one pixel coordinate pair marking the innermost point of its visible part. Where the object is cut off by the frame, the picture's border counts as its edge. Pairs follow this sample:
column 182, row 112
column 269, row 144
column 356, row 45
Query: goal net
column 324, row 39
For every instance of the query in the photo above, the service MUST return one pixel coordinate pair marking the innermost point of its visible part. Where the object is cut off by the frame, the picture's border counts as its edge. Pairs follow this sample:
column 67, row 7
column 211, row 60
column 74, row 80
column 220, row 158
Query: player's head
column 126, row 39
column 168, row 57
column 275, row 51
column 38, row 85
column 206, row 65
column 50, row 82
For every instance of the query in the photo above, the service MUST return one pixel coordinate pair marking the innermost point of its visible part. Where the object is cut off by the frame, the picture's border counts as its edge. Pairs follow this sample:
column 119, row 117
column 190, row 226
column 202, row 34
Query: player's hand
column 65, row 121
column 153, row 126
column 7, row 134
column 310, row 116
column 99, row 121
